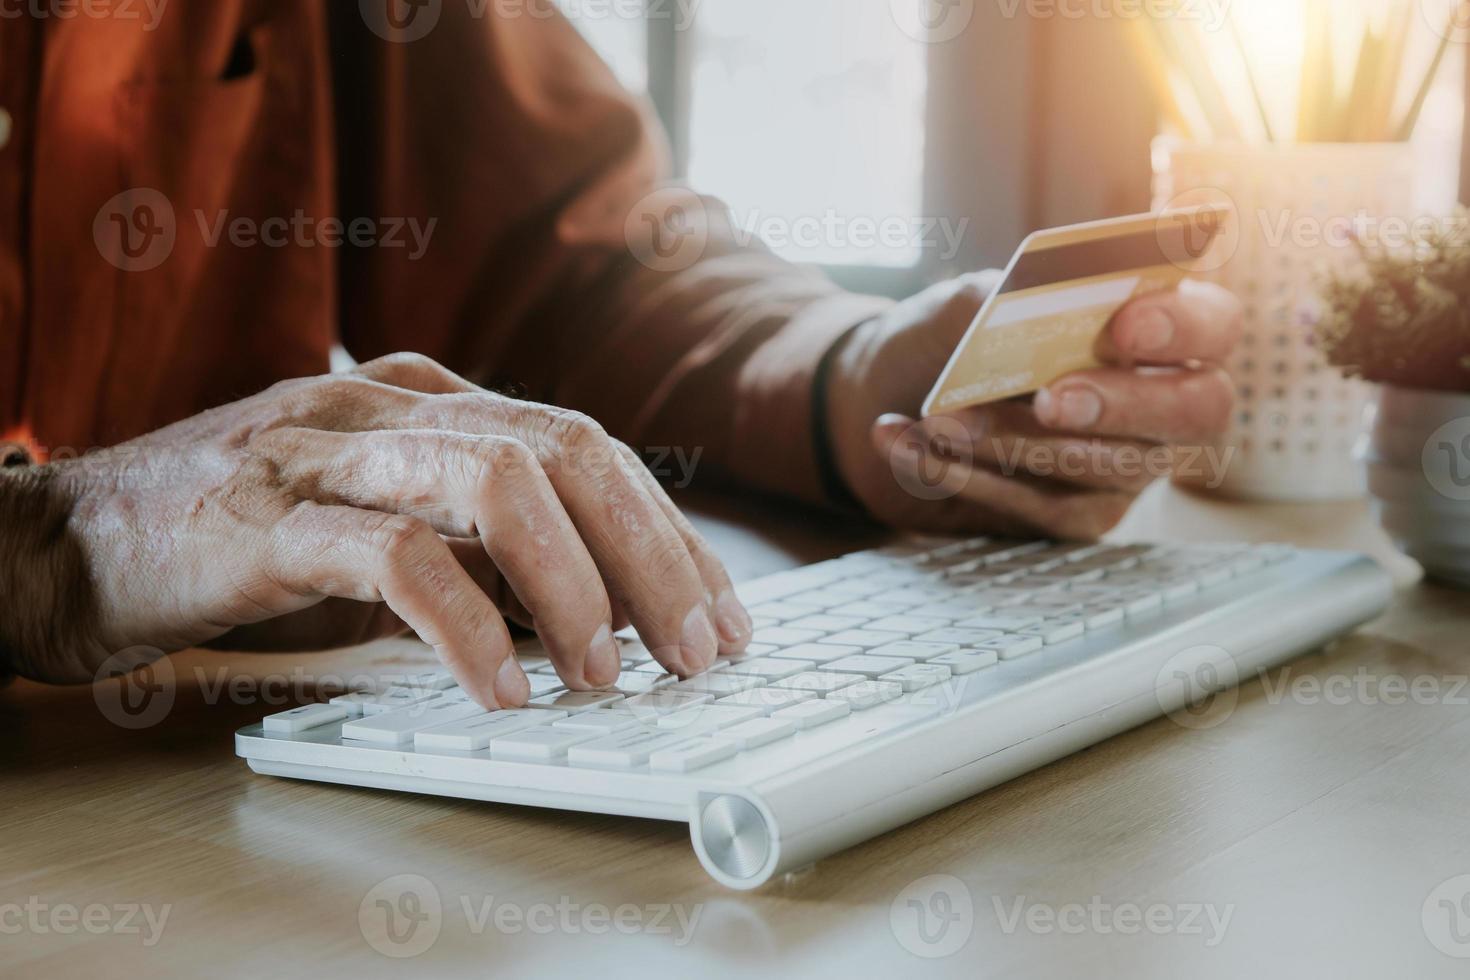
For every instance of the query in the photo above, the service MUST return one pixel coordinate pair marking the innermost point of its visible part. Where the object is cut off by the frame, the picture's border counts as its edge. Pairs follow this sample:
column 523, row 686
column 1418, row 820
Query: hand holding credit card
column 1059, row 293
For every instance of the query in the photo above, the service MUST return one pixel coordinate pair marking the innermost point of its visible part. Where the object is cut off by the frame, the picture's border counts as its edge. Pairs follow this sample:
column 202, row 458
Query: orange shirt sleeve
column 550, row 269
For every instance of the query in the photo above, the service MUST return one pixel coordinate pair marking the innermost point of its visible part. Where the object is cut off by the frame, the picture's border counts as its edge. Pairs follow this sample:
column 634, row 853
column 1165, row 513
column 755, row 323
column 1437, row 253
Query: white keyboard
column 882, row 686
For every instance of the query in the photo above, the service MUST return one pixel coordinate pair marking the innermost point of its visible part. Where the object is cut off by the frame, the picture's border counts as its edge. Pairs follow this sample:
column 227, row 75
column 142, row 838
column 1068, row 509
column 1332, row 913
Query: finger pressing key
column 644, row 561
column 490, row 487
column 732, row 620
column 332, row 551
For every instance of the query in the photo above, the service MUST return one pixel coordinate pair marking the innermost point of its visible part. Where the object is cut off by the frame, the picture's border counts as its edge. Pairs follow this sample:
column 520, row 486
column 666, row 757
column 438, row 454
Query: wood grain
column 1320, row 827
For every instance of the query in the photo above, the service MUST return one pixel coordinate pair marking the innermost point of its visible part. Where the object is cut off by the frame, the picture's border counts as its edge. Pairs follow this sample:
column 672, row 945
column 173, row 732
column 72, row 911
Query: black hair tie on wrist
column 833, row 486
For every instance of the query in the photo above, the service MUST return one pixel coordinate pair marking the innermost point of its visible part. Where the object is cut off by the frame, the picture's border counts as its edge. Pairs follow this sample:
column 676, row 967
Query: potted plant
column 1401, row 318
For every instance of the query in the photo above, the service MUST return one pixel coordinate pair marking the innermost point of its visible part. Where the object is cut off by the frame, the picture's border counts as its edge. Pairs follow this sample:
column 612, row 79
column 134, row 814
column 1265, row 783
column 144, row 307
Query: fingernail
column 734, row 622
column 1045, row 406
column 698, row 643
column 1079, row 408
column 1152, row 332
column 604, row 658
column 893, row 421
column 511, row 687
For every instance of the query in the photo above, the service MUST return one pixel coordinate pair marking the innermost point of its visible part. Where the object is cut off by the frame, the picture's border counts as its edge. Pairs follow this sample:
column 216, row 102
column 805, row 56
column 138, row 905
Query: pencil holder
column 1299, row 210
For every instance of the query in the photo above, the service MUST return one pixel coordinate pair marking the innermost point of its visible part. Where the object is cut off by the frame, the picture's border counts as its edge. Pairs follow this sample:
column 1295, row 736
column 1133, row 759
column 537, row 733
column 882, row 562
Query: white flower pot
column 1297, row 419
column 1418, row 460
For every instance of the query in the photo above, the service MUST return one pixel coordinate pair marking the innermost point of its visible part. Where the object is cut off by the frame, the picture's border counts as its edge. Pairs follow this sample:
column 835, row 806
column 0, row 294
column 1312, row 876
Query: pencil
column 1318, row 86
column 1390, row 71
column 1189, row 60
column 1361, row 94
column 1416, row 108
column 1164, row 83
column 1250, row 77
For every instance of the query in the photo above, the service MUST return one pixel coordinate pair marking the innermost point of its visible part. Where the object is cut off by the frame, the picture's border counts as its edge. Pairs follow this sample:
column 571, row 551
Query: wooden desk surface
column 1312, row 825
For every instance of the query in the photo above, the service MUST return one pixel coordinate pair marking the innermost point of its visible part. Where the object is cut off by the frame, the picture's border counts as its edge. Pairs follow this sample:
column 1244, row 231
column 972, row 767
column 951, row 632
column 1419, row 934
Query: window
column 813, row 133
column 806, row 118
column 620, row 39
column 832, row 131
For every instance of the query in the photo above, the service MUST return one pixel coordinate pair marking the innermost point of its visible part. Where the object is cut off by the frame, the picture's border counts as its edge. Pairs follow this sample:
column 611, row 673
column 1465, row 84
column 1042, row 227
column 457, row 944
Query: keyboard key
column 769, row 668
column 811, row 714
column 708, row 717
column 537, row 744
column 1141, row 603
column 363, row 703
column 1000, row 620
column 1057, row 631
column 962, row 637
column 827, row 623
column 1047, row 611
column 1013, row 647
column 634, row 652
column 951, row 612
column 818, row 653
column 399, row 727
column 820, row 681
column 868, row 666
column 909, row 625
column 664, row 702
column 781, row 612
column 429, row 680
column 867, row 694
column 751, row 652
column 781, row 636
column 692, row 755
column 914, row 650
column 768, row 699
column 544, row 684
column 303, row 719
column 864, row 638
column 574, row 701
column 637, row 682
column 918, row 676
column 900, row 599
column 859, row 587
column 625, row 750
column 474, row 732
column 968, row 661
column 608, row 721
column 722, row 684
column 817, row 600
column 757, row 732
column 1180, row 589
column 862, row 610
column 1101, row 615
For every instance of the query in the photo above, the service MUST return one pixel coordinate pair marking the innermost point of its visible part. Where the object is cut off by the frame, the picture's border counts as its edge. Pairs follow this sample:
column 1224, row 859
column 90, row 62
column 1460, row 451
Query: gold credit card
column 1059, row 294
